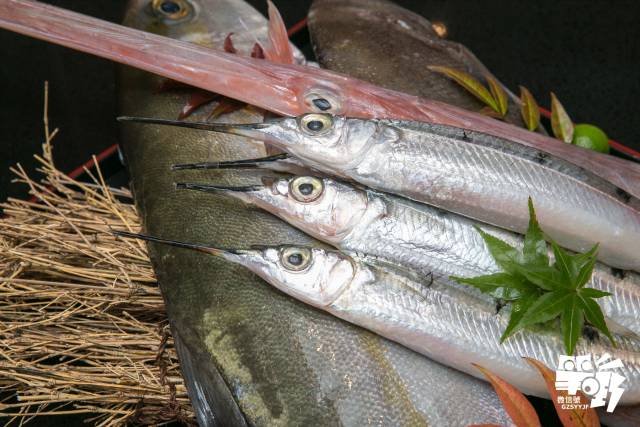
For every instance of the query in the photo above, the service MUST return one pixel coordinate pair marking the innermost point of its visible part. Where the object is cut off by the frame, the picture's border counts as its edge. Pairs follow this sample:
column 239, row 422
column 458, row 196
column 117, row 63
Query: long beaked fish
column 473, row 174
column 414, row 235
column 358, row 38
column 248, row 353
column 445, row 326
column 287, row 89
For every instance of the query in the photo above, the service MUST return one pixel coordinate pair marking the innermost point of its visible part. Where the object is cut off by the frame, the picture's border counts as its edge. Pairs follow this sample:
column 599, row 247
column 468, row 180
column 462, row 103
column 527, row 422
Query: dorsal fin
column 280, row 48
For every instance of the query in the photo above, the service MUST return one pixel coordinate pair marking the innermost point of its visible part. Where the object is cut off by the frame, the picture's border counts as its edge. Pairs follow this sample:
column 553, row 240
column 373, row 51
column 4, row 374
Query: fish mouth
column 249, row 130
column 226, row 253
column 257, row 163
column 208, row 188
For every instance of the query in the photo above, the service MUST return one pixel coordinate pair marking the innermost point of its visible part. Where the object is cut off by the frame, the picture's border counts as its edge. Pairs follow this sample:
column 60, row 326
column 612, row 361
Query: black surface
column 587, row 52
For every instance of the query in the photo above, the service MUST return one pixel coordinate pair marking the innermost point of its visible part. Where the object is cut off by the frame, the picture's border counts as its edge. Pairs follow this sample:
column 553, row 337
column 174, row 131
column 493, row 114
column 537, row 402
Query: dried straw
column 83, row 329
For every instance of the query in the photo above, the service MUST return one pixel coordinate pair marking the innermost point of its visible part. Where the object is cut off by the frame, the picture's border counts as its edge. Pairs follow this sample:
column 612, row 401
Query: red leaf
column 515, row 403
column 569, row 417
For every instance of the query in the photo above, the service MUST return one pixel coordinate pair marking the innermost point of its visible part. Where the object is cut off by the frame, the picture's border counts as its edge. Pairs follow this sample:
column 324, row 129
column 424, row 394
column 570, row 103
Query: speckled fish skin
column 473, row 174
column 438, row 322
column 283, row 363
column 413, row 235
column 357, row 38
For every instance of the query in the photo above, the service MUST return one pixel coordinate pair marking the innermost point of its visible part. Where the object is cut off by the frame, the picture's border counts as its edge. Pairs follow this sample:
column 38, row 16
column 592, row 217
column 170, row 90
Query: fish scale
column 458, row 332
column 416, row 236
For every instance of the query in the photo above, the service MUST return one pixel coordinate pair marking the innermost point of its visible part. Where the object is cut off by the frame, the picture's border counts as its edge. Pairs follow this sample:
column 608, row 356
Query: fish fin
column 197, row 99
column 212, row 400
column 416, row 281
column 225, row 106
column 257, row 51
column 280, row 49
column 228, row 44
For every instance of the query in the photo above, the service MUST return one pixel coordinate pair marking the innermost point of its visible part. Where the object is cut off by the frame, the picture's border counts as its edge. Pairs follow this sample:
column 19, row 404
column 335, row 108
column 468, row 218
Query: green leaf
column 564, row 263
column 572, row 321
column 518, row 310
column 529, row 110
column 561, row 124
column 535, row 246
column 546, row 307
column 547, row 278
column 469, row 82
column 499, row 95
column 505, row 255
column 593, row 312
column 593, row 293
column 499, row 285
column 581, row 259
column 585, row 268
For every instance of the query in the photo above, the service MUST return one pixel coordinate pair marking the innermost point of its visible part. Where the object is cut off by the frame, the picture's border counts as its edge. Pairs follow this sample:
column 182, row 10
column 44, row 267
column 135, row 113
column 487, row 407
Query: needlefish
column 401, row 306
column 476, row 175
column 249, row 354
column 414, row 235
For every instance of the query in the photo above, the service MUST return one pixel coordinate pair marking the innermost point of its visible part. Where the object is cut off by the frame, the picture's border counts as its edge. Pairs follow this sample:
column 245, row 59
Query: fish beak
column 259, row 163
column 219, row 188
column 233, row 255
column 249, row 130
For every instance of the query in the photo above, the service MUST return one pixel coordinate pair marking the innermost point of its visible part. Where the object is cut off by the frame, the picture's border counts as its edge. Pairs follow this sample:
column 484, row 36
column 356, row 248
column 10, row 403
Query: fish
column 443, row 326
column 413, row 235
column 287, row 89
column 469, row 173
column 358, row 38
column 251, row 355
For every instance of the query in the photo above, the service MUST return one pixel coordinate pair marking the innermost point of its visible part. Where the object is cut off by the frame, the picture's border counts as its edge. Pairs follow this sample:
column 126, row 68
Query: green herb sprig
column 540, row 292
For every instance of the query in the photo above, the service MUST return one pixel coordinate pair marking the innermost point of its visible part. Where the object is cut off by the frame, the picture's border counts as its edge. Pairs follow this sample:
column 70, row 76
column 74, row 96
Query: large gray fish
column 358, row 38
column 433, row 320
column 414, row 235
column 473, row 174
column 249, row 353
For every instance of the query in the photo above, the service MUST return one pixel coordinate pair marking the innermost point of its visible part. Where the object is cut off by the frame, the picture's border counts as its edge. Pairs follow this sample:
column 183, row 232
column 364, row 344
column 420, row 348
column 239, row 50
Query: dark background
column 587, row 52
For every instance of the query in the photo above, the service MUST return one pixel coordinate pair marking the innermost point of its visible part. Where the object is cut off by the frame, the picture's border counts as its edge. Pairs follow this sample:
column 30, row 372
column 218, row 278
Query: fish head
column 316, row 138
column 312, row 275
column 322, row 207
column 204, row 22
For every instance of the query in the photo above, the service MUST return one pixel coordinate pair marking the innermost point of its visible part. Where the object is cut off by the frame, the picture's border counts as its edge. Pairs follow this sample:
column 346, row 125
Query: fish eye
column 174, row 10
column 322, row 100
column 306, row 189
column 295, row 259
column 316, row 124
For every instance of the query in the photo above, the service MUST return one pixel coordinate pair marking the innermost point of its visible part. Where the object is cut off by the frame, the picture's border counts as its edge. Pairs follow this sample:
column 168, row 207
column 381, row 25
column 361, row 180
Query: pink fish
column 286, row 89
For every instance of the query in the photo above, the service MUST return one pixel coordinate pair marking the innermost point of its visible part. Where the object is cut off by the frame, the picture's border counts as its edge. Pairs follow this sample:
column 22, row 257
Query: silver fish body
column 436, row 321
column 412, row 235
column 458, row 332
column 476, row 175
